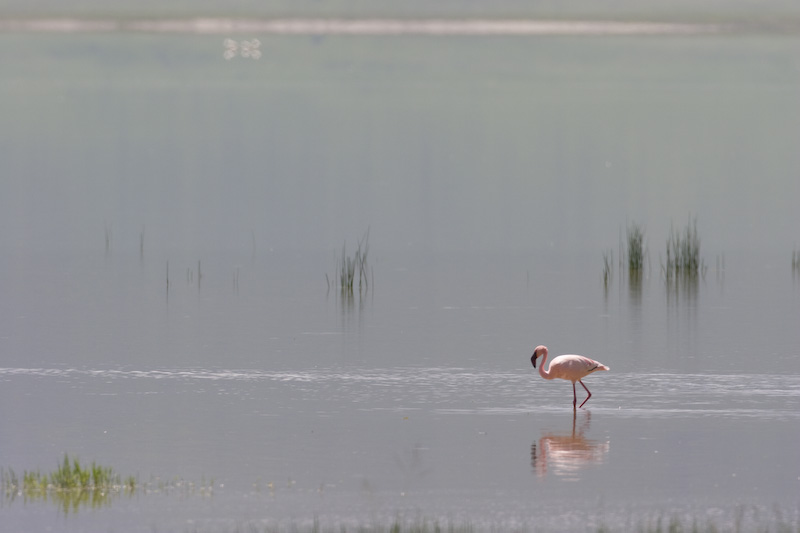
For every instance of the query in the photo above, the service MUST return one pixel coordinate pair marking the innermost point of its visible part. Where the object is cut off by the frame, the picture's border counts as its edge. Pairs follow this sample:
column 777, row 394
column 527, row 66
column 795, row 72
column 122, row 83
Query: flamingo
column 570, row 367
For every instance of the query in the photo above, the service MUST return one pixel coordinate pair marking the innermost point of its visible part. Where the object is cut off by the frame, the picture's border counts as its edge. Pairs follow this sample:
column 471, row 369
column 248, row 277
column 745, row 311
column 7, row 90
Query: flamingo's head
column 538, row 352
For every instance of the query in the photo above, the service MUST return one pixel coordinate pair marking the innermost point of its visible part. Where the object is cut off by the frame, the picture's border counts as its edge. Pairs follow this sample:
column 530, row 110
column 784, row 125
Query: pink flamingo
column 570, row 367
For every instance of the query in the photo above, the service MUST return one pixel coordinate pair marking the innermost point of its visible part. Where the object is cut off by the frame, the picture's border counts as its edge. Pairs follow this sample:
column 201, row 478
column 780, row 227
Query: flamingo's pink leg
column 587, row 390
column 574, row 396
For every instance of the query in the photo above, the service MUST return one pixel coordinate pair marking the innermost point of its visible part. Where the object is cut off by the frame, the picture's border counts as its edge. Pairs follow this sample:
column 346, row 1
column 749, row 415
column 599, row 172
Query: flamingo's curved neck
column 542, row 372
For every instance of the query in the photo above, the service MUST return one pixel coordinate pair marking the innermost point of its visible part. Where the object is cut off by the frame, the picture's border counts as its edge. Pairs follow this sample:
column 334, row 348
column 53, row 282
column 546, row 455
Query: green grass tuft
column 636, row 249
column 73, row 485
column 683, row 254
column 70, row 475
column 353, row 269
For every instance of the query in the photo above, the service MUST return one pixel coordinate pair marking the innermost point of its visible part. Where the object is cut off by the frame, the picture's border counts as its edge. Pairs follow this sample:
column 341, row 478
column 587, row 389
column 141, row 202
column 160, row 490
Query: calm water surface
column 416, row 401
column 492, row 172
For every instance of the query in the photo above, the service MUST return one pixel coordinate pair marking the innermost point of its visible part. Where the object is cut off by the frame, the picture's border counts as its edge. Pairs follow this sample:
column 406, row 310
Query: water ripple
column 472, row 391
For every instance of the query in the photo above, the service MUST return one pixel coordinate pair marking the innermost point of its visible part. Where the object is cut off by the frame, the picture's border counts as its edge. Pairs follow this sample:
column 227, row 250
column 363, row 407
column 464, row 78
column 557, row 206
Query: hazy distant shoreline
column 370, row 26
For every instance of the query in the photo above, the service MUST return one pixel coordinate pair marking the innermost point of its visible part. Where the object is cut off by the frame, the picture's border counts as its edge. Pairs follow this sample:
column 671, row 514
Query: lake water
column 492, row 172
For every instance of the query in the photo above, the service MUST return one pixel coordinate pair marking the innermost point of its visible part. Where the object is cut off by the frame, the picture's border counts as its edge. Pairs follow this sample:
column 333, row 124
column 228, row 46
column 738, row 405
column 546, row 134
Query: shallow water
column 481, row 447
column 415, row 402
column 168, row 218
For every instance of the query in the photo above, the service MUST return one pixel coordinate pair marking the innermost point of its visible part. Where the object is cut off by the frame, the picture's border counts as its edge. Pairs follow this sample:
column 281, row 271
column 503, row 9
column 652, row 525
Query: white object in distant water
column 244, row 48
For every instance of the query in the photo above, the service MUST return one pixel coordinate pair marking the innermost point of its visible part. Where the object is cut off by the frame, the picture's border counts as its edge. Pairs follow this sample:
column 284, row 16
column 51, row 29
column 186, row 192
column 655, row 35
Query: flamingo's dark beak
column 533, row 360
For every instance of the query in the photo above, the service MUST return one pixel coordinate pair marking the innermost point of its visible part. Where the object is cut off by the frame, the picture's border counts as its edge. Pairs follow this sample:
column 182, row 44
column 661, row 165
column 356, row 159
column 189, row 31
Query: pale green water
column 492, row 172
column 436, row 143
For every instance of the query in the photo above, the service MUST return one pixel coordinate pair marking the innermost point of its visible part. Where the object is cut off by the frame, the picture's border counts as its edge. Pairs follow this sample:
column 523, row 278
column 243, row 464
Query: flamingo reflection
column 568, row 453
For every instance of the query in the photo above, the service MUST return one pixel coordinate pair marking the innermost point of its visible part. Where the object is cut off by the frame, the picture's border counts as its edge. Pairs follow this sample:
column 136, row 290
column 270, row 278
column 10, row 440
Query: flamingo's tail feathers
column 603, row 367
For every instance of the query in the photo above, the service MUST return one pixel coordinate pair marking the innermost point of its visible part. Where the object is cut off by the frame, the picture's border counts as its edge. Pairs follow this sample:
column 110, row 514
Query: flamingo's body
column 570, row 367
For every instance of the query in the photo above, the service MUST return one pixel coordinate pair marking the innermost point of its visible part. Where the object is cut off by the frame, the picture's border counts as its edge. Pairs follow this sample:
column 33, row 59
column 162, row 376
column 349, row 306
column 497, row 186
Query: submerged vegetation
column 398, row 525
column 684, row 266
column 349, row 269
column 608, row 267
column 743, row 518
column 683, row 254
column 108, row 235
column 633, row 252
column 636, row 249
column 73, row 485
column 70, row 475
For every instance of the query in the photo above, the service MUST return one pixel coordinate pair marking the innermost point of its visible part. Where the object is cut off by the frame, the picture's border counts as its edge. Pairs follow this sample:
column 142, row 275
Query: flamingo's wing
column 574, row 367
